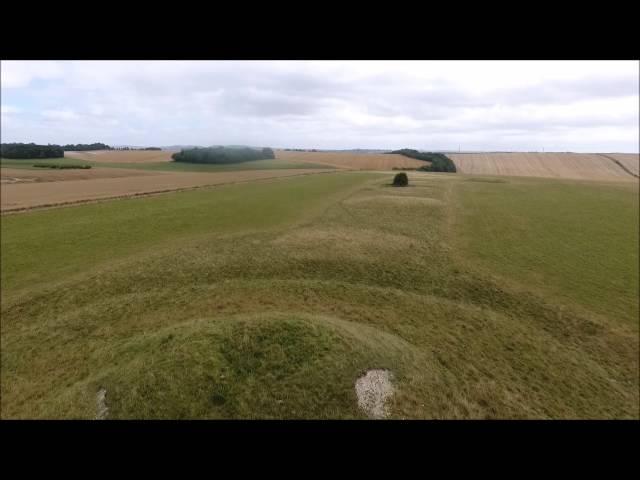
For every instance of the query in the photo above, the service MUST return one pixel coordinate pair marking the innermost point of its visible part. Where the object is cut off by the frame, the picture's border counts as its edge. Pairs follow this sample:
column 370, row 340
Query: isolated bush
column 401, row 180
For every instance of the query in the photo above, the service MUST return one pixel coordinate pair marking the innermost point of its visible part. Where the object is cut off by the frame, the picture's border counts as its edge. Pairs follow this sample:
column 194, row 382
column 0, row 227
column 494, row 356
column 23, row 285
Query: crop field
column 22, row 175
column 166, row 166
column 485, row 297
column 580, row 166
column 22, row 189
column 352, row 161
column 122, row 156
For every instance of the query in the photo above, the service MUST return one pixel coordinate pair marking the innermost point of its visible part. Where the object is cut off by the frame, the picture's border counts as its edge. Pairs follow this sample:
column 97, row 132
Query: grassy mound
column 237, row 302
column 243, row 366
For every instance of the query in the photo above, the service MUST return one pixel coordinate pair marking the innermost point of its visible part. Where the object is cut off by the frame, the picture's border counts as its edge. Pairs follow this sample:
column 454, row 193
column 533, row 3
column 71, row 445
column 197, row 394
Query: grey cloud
column 568, row 91
column 312, row 105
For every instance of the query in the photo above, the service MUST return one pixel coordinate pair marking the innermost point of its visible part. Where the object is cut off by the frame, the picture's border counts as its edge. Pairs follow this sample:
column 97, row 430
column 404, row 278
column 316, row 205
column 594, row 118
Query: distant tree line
column 153, row 148
column 86, row 147
column 222, row 155
column 30, row 150
column 439, row 161
column 299, row 150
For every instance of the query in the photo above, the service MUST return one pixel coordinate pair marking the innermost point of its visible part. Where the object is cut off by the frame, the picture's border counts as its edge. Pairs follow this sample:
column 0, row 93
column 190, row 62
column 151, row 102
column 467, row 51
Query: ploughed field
column 485, row 297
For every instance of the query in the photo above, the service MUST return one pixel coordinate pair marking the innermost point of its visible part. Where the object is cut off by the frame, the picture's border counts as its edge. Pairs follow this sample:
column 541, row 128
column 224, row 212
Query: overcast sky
column 472, row 105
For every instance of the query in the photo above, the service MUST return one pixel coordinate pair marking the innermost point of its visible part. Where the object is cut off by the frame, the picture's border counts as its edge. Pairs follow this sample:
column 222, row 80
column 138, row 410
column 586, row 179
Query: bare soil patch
column 374, row 389
column 101, row 401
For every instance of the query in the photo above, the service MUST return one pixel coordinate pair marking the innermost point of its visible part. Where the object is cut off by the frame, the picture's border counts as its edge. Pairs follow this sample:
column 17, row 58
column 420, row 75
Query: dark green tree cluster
column 439, row 161
column 221, row 155
column 85, row 147
column 30, row 150
column 153, row 148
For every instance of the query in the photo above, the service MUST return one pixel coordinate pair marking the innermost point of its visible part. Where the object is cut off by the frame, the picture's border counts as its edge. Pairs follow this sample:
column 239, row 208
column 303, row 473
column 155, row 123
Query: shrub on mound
column 400, row 180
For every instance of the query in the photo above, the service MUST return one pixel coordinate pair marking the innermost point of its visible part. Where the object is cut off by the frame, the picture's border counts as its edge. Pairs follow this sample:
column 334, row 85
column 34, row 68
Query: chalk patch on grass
column 373, row 390
column 101, row 398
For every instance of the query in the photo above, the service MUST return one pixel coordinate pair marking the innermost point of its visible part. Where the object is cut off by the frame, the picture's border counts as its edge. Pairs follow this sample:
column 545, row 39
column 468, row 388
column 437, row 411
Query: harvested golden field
column 579, row 166
column 23, row 175
column 631, row 161
column 353, row 161
column 23, row 196
column 122, row 156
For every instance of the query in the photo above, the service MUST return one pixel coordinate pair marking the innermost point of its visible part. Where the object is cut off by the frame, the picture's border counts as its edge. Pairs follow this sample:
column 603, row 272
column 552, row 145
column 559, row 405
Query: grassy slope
column 212, row 309
column 577, row 241
column 38, row 247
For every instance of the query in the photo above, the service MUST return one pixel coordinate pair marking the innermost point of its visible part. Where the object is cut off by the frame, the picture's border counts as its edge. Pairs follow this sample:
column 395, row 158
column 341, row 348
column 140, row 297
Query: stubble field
column 122, row 156
column 579, row 166
column 352, row 161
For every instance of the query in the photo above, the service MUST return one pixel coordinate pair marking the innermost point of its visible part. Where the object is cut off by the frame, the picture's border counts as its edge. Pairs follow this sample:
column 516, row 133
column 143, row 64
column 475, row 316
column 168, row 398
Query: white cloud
column 60, row 114
column 386, row 104
column 19, row 74
column 7, row 109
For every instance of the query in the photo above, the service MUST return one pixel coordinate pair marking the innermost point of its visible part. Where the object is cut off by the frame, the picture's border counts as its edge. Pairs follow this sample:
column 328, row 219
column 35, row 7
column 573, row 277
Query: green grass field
column 510, row 299
column 168, row 166
column 202, row 167
column 29, row 163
